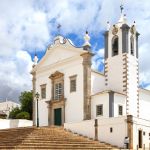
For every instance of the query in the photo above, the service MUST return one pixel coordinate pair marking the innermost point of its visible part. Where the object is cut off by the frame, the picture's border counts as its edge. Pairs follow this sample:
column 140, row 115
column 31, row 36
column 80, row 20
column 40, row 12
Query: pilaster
column 137, row 48
column 130, row 130
column 125, row 32
column 106, row 44
column 87, row 85
column 33, row 100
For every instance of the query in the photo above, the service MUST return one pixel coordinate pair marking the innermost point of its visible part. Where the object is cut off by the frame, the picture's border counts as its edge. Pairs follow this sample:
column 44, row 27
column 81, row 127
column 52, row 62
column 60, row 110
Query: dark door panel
column 57, row 117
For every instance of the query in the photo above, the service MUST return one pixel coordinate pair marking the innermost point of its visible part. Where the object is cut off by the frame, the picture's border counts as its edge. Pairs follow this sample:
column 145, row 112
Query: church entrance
column 57, row 117
column 140, row 138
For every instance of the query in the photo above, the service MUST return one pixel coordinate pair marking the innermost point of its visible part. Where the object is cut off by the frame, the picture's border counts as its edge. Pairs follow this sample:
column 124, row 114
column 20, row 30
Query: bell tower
column 121, row 62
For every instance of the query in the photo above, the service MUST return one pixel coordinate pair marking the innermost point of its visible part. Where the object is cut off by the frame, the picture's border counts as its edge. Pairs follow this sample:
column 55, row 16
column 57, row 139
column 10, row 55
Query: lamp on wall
column 37, row 95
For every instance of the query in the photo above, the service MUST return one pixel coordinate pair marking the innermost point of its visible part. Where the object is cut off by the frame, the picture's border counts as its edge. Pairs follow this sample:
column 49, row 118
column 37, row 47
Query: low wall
column 85, row 128
column 104, row 133
column 112, row 130
column 14, row 123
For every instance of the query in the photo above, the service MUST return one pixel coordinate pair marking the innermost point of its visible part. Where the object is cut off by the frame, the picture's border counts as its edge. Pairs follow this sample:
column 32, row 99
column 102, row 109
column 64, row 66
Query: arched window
column 132, row 45
column 115, row 46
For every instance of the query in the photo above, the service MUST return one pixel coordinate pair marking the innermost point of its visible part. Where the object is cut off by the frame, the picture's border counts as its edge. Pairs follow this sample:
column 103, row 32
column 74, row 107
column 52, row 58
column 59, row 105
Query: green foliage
column 25, row 112
column 23, row 115
column 26, row 102
column 14, row 113
column 3, row 116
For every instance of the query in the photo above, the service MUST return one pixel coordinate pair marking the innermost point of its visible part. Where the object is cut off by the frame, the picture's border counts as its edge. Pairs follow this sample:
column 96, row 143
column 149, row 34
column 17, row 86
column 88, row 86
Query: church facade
column 109, row 106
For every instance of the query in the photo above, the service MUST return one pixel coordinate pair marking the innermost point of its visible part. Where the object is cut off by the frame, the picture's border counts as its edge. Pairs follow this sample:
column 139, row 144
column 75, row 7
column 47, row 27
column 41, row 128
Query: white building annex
column 109, row 107
column 7, row 106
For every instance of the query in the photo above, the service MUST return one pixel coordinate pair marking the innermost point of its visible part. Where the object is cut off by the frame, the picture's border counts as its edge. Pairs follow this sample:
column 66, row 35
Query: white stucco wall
column 119, row 130
column 43, row 110
column 97, row 82
column 119, row 127
column 86, row 128
column 58, row 53
column 74, row 100
column 115, row 73
column 144, row 101
column 132, row 85
column 144, row 125
column 115, row 64
column 119, row 99
column 14, row 123
column 43, row 113
column 98, row 99
column 115, row 69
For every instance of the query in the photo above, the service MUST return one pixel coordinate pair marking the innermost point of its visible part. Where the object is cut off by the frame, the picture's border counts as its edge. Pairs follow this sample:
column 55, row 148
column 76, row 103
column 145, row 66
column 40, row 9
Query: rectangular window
column 73, row 83
column 99, row 110
column 43, row 91
column 58, row 91
column 120, row 110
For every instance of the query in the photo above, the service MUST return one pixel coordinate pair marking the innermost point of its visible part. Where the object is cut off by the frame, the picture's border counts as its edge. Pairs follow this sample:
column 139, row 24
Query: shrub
column 3, row 116
column 23, row 115
column 14, row 112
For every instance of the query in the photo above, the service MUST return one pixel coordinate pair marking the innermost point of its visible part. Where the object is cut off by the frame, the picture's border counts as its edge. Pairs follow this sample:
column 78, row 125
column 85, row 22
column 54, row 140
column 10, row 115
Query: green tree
column 26, row 102
column 14, row 112
column 25, row 111
column 23, row 115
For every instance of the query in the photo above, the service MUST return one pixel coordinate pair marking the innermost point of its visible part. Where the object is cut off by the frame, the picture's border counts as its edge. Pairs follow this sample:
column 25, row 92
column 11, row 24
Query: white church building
column 109, row 106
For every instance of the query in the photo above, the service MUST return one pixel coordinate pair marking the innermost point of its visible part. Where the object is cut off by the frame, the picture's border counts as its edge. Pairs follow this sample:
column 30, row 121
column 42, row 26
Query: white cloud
column 14, row 75
column 22, row 27
column 98, row 60
column 144, row 62
column 148, row 87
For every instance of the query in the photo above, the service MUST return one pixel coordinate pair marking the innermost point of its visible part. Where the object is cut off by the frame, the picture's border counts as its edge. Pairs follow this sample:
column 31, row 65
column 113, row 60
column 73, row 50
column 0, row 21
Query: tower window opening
column 115, row 46
column 132, row 45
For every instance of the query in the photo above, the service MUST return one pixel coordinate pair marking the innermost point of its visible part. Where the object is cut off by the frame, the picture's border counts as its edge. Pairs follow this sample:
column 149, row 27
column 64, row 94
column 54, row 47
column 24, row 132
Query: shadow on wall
column 14, row 123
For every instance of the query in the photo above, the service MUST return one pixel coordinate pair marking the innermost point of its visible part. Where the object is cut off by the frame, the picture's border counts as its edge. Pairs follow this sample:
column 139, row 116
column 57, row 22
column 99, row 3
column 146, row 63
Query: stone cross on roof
column 58, row 28
column 121, row 6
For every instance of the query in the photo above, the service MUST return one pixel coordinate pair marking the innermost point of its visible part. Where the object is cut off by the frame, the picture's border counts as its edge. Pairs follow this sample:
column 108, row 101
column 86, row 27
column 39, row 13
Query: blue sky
column 29, row 25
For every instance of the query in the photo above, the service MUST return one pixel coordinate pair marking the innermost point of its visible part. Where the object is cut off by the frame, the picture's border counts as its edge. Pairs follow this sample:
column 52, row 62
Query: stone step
column 57, row 145
column 47, row 147
column 47, row 138
column 52, row 139
column 51, row 142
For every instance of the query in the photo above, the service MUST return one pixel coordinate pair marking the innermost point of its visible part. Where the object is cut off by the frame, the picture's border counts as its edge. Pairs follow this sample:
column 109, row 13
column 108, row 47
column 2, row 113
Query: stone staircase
column 50, row 138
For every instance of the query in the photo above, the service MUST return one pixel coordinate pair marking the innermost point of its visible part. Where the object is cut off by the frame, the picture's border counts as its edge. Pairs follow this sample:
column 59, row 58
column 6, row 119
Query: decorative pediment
column 62, row 50
column 56, row 75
